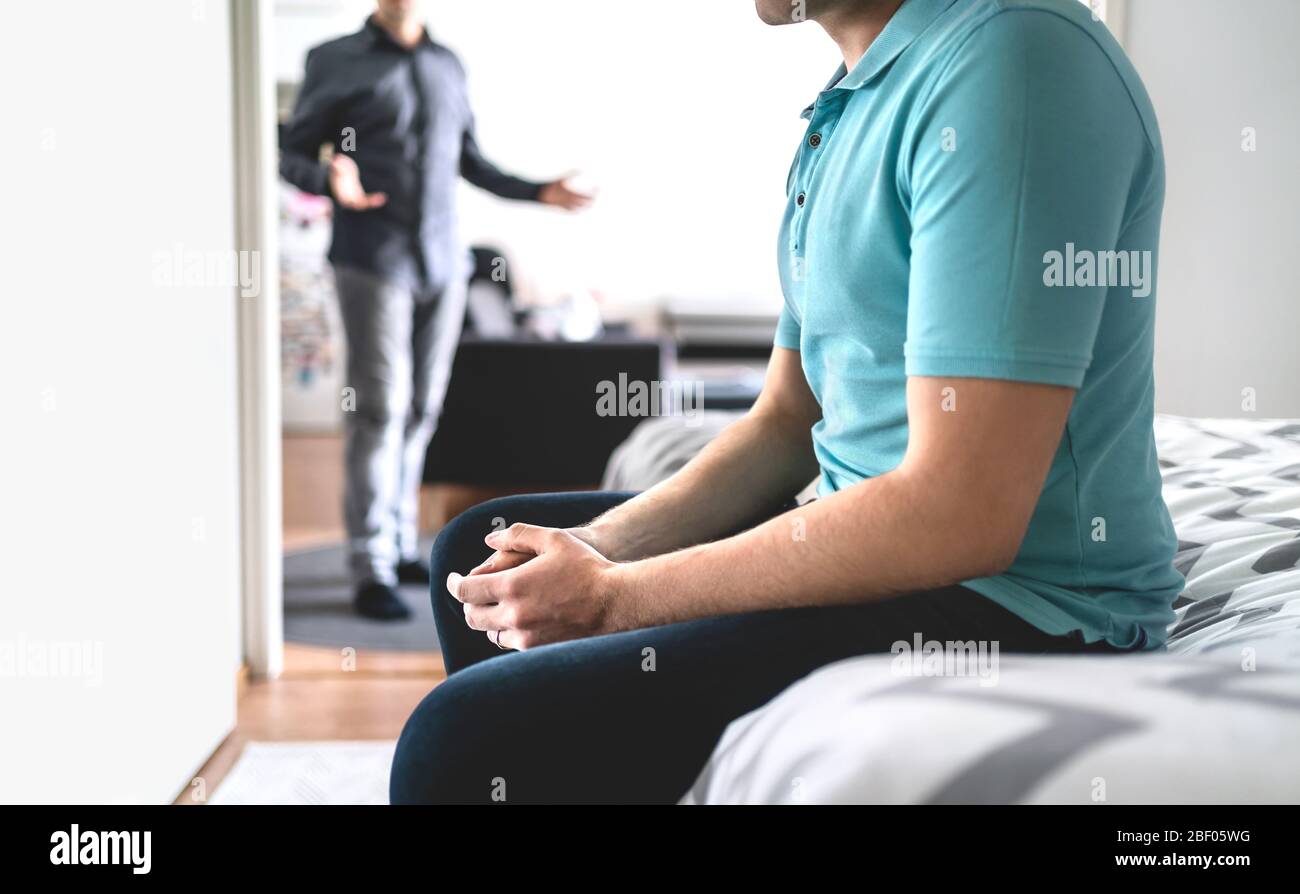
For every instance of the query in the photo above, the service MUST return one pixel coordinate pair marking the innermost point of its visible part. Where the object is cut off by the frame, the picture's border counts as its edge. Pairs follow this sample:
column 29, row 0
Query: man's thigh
column 632, row 717
column 377, row 319
column 435, row 334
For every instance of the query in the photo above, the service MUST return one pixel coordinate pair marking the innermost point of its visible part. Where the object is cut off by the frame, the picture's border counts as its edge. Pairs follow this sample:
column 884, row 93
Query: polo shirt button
column 815, row 140
column 799, row 200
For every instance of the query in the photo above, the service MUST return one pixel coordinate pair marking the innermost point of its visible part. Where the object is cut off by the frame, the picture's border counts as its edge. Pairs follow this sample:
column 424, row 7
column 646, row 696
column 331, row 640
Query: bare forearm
column 884, row 537
column 746, row 473
column 956, row 508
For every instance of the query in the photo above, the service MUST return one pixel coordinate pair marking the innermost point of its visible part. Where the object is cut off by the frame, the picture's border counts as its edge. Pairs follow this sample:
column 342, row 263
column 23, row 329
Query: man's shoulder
column 347, row 45
column 1054, row 20
column 1048, row 41
column 448, row 53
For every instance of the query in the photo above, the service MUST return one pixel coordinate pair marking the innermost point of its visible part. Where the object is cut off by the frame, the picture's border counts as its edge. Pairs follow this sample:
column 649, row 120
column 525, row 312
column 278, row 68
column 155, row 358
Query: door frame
column 256, row 181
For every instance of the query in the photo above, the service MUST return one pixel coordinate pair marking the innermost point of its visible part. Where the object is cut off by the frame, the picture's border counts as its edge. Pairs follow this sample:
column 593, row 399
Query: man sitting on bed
column 965, row 356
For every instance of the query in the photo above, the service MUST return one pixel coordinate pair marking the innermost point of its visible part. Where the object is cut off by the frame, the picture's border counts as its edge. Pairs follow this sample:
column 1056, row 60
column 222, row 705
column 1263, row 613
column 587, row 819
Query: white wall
column 1228, row 316
column 118, row 469
column 685, row 115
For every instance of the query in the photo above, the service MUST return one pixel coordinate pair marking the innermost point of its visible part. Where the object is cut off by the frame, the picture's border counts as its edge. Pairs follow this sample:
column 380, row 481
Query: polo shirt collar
column 913, row 17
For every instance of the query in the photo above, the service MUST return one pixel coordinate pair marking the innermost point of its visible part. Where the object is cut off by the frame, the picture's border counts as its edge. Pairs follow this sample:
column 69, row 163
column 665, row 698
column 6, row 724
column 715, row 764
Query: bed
column 1214, row 719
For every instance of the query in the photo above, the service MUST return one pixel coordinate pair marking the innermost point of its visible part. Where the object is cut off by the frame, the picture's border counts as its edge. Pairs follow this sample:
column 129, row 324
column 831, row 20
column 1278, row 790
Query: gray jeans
column 401, row 344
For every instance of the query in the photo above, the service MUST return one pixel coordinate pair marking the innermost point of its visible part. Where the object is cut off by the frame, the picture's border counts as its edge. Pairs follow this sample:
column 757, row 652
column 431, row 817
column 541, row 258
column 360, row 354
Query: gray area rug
column 318, row 607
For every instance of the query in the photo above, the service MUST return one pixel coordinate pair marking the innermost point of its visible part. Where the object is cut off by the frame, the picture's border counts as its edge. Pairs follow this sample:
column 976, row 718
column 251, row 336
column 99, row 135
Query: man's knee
column 423, row 416
column 378, row 406
column 439, row 757
column 459, row 546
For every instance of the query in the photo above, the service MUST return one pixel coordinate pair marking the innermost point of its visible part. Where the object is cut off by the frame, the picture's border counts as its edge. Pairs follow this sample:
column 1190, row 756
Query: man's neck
column 406, row 31
column 855, row 26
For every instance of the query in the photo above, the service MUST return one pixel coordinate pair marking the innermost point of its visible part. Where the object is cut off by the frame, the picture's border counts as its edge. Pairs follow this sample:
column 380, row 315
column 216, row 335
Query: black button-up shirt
column 404, row 117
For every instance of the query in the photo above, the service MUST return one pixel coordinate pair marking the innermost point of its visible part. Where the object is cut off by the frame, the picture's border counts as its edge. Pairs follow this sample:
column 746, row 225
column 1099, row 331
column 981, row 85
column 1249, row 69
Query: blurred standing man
column 395, row 107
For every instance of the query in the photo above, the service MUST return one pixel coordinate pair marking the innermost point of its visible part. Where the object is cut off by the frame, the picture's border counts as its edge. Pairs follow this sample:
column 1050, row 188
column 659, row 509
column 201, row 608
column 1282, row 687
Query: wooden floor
column 312, row 470
column 318, row 697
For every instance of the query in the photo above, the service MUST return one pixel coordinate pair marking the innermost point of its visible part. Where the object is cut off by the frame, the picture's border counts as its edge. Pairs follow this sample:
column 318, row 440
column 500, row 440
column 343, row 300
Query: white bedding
column 1215, row 720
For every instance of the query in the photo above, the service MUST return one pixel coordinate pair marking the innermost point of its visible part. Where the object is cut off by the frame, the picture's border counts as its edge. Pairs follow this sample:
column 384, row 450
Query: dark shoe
column 380, row 602
column 412, row 572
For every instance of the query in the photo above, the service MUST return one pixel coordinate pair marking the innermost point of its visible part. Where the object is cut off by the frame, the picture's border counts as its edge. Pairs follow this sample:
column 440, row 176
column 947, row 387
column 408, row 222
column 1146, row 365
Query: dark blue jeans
column 632, row 717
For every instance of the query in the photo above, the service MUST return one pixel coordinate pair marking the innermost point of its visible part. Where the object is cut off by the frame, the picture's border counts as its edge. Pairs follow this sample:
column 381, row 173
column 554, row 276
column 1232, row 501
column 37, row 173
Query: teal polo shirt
column 980, row 197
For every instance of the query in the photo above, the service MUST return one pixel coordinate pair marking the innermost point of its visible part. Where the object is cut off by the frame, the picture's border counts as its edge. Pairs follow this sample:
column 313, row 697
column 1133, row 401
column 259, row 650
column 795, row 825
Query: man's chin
column 778, row 12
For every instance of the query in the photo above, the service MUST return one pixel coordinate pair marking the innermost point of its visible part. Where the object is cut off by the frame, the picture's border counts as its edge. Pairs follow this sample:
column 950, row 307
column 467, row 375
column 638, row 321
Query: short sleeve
column 787, row 330
column 1028, row 143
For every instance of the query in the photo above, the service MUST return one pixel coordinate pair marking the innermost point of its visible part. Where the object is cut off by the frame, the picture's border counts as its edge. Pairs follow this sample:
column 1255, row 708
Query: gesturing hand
column 345, row 186
column 560, row 194
column 545, row 586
